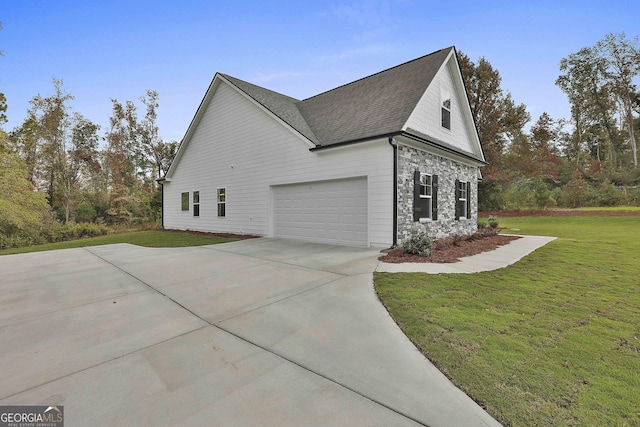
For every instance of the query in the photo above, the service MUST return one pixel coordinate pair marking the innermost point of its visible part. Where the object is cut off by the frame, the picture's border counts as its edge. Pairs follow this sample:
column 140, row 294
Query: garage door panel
column 324, row 211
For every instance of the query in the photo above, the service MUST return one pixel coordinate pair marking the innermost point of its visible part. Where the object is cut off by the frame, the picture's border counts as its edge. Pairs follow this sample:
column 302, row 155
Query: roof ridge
column 282, row 106
column 227, row 76
column 379, row 72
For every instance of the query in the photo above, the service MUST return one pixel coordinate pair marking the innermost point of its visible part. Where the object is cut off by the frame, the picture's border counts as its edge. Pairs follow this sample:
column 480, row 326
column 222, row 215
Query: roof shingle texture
column 376, row 105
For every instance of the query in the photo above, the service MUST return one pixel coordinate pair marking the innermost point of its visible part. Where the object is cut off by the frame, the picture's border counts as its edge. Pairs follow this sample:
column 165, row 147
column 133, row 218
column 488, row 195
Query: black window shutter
column 468, row 200
column 457, row 190
column 434, row 197
column 416, row 196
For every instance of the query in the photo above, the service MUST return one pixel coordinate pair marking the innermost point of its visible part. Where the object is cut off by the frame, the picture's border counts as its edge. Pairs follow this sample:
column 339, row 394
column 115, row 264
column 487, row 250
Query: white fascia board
column 467, row 107
column 460, row 91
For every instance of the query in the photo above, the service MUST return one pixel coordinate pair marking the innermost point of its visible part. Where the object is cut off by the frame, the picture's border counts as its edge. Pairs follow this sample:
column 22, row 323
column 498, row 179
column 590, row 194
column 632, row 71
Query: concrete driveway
column 256, row 332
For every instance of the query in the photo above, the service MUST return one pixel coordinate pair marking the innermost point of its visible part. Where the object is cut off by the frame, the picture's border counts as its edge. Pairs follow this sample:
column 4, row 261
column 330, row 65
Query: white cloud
column 369, row 50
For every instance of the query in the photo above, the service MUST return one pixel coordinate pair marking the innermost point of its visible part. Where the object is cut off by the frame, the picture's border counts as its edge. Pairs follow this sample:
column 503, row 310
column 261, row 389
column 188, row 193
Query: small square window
column 222, row 201
column 196, row 203
column 446, row 118
column 185, row 201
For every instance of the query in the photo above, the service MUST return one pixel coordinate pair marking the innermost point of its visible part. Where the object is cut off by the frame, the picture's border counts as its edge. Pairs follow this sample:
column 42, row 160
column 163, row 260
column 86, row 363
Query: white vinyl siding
column 237, row 141
column 427, row 116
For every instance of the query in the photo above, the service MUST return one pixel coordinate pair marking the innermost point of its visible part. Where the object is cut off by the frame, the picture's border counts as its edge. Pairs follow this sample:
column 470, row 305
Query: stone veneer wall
column 410, row 159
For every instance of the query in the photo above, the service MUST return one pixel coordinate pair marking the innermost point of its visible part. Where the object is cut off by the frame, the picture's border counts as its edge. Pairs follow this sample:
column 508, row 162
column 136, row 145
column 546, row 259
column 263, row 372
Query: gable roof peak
column 282, row 106
column 376, row 105
column 447, row 49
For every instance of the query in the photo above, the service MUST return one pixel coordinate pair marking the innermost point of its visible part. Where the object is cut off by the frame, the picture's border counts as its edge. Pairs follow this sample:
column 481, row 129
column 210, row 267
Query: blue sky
column 118, row 49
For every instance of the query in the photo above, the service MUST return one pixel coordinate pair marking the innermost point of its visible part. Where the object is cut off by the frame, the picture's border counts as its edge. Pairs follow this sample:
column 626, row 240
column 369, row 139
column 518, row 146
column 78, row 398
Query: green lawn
column 154, row 238
column 553, row 340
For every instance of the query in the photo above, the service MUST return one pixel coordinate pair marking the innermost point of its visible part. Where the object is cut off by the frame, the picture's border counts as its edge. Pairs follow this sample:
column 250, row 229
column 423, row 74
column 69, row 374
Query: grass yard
column 154, row 238
column 553, row 340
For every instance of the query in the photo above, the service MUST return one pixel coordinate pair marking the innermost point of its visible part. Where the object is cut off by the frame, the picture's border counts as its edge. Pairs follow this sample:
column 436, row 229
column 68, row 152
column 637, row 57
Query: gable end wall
column 411, row 159
column 239, row 147
column 427, row 119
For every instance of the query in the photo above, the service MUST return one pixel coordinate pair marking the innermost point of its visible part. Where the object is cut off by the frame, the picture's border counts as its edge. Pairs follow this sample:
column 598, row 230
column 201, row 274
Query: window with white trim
column 462, row 199
column 445, row 110
column 196, row 203
column 222, row 202
column 185, row 201
column 426, row 193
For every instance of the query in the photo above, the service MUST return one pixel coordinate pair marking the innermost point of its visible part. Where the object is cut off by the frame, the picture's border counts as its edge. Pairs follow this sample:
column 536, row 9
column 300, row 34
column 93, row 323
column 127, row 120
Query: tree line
column 588, row 159
column 57, row 169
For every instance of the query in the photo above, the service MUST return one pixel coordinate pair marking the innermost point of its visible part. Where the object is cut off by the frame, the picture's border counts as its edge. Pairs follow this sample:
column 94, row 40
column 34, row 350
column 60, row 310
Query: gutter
column 418, row 138
column 354, row 141
column 394, row 145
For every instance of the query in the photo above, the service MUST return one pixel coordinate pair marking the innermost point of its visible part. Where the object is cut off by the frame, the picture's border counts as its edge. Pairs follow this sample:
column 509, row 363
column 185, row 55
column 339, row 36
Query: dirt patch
column 225, row 235
column 452, row 249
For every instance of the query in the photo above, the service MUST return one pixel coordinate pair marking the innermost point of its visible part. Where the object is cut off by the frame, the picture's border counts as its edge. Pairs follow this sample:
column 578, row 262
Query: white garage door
column 323, row 211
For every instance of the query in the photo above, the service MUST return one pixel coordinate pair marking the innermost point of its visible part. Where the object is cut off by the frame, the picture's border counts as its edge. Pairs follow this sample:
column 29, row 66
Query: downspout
column 394, row 144
column 161, row 182
column 162, row 204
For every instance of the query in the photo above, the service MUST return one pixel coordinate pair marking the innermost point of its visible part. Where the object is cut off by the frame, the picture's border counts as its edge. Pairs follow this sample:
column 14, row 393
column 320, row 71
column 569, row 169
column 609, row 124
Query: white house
column 362, row 164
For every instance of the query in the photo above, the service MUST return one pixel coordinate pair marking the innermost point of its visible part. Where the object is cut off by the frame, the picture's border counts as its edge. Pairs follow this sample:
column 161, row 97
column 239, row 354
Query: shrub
column 607, row 194
column 482, row 223
column 485, row 232
column 575, row 191
column 418, row 243
column 86, row 212
column 494, row 223
column 72, row 230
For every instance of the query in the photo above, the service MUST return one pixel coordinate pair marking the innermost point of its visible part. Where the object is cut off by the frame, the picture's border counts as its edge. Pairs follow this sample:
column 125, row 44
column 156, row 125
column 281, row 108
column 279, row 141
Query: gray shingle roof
column 376, row 105
column 281, row 105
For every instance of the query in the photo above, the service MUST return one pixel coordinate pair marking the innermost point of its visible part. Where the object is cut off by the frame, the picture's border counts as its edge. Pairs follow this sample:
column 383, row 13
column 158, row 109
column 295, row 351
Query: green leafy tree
column 592, row 107
column 544, row 135
column 3, row 109
column 49, row 120
column 79, row 159
column 576, row 191
column 598, row 81
column 22, row 210
column 622, row 59
column 158, row 153
column 59, row 148
column 499, row 122
column 498, row 119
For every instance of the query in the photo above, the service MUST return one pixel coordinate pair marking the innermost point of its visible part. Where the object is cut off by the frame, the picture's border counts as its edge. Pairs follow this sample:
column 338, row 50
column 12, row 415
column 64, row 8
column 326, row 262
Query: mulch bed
column 451, row 249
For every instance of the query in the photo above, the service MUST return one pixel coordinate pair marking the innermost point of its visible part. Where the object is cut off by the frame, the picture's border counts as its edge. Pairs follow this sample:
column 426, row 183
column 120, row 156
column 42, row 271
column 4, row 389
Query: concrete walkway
column 501, row 257
column 256, row 332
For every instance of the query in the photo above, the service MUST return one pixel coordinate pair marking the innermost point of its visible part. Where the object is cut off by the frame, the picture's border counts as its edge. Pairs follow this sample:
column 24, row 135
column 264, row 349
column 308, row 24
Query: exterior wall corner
column 411, row 159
